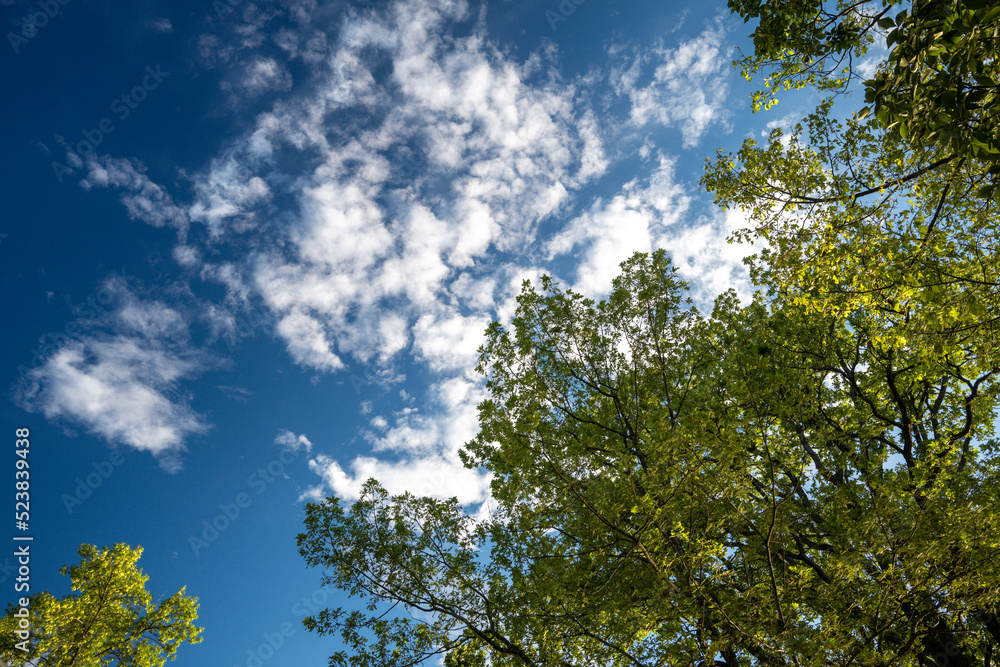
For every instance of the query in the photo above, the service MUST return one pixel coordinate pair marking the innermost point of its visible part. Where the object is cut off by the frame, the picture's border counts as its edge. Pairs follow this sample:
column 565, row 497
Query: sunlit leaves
column 110, row 619
column 773, row 484
column 937, row 88
column 855, row 220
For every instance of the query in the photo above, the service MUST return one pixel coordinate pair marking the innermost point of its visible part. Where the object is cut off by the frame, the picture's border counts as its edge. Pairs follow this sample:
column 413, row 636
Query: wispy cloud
column 376, row 245
column 143, row 199
column 116, row 385
column 611, row 231
column 262, row 75
column 656, row 212
column 162, row 25
column 687, row 88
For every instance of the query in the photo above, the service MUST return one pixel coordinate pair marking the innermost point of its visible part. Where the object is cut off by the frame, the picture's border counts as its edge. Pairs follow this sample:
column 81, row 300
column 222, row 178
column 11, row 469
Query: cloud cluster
column 389, row 205
column 652, row 213
column 635, row 220
column 418, row 452
column 367, row 265
column 688, row 87
column 292, row 442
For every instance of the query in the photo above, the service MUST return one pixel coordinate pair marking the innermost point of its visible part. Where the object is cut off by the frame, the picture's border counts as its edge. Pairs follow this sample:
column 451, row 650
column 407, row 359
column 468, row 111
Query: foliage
column 110, row 619
column 937, row 87
column 851, row 218
column 807, row 479
column 890, row 214
column 766, row 486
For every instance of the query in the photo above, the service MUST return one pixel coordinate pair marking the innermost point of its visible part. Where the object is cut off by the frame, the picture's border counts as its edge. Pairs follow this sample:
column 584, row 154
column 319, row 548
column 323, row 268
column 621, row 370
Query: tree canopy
column 110, row 620
column 809, row 478
column 850, row 219
column 870, row 211
column 937, row 87
column 764, row 486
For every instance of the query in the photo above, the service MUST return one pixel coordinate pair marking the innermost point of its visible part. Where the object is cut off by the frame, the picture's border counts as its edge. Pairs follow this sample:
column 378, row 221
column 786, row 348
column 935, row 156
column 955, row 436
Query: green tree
column 771, row 485
column 851, row 218
column 937, row 87
column 807, row 479
column 109, row 621
column 891, row 211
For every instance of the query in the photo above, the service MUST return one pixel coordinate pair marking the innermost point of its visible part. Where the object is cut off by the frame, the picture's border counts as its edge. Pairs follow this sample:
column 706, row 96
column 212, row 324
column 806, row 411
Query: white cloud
column 119, row 377
column 292, row 442
column 423, row 449
column 877, row 53
column 312, row 494
column 152, row 320
column 310, row 46
column 651, row 215
column 410, row 195
column 428, row 476
column 307, row 341
column 228, row 194
column 241, row 27
column 143, row 199
column 703, row 257
column 447, row 341
column 265, row 75
column 162, row 25
column 115, row 388
column 464, row 151
column 785, row 123
column 610, row 232
column 476, row 292
column 187, row 256
column 343, row 227
column 688, row 88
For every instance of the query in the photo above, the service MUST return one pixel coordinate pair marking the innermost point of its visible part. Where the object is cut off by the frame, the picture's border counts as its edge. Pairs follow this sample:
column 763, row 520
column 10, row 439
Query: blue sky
column 249, row 251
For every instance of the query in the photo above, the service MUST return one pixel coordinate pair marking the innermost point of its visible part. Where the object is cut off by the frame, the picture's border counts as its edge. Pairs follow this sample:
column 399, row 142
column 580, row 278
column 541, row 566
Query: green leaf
column 109, row 617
